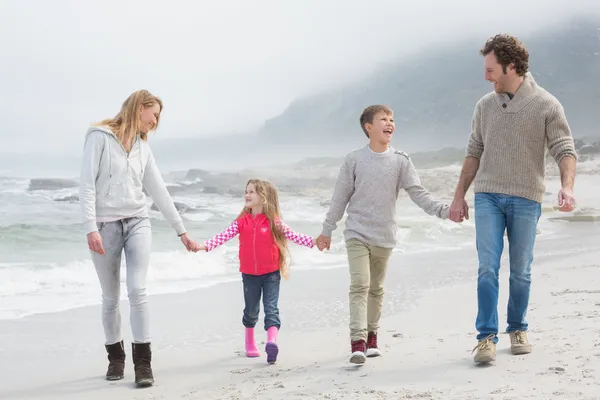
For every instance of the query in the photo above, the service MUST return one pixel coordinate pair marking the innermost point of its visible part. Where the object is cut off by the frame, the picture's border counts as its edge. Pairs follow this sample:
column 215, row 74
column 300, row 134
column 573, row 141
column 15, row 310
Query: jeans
column 268, row 286
column 495, row 213
column 368, row 267
column 134, row 236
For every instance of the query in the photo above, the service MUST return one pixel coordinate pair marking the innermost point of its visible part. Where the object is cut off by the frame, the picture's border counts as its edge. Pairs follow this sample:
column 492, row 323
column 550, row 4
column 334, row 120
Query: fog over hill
column 432, row 92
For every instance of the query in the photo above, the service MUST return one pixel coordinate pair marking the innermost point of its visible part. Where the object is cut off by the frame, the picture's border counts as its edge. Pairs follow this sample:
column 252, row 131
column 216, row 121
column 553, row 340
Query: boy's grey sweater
column 369, row 184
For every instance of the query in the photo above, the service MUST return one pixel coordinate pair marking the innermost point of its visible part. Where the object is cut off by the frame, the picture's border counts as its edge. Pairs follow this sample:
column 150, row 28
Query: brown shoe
column 116, row 361
column 142, row 357
column 519, row 343
column 486, row 351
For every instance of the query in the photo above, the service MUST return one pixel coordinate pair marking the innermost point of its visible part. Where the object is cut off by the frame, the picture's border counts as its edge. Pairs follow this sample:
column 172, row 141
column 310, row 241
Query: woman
column 117, row 166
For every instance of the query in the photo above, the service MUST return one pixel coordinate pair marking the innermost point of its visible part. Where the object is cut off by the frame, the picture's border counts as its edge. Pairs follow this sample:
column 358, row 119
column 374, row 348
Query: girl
column 263, row 255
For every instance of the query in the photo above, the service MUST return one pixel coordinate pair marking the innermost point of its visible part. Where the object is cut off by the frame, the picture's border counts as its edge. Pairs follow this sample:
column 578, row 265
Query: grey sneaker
column 486, row 351
column 519, row 343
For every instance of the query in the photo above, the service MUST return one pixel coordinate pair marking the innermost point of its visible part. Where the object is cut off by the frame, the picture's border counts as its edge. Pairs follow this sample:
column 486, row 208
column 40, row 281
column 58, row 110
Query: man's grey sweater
column 510, row 138
column 369, row 184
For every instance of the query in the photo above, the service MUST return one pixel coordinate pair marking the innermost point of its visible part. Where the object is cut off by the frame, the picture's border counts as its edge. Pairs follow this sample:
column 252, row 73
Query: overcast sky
column 219, row 66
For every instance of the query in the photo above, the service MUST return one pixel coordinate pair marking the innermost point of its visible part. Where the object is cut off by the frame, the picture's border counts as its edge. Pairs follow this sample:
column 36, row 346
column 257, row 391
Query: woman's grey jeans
column 134, row 237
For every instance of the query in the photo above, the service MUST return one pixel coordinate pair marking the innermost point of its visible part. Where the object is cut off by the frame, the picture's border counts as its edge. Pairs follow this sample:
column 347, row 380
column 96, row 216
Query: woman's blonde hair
column 268, row 193
column 126, row 124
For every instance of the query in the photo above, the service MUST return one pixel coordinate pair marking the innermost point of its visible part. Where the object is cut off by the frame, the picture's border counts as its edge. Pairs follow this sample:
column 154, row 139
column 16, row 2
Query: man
column 511, row 129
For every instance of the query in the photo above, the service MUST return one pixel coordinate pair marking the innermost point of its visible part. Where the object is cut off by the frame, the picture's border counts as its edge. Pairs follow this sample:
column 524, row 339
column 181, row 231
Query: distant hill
column 433, row 94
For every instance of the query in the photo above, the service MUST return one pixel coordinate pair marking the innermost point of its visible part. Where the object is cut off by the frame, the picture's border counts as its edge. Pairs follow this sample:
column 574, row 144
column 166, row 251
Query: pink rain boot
column 271, row 347
column 251, row 349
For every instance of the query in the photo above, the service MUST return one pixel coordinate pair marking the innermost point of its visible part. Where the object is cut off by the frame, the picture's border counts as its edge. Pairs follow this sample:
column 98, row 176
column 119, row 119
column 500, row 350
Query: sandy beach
column 427, row 336
column 149, row 121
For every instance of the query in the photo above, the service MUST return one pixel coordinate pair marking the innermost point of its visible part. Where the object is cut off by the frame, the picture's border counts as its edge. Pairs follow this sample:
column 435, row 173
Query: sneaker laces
column 484, row 344
column 359, row 345
column 519, row 337
column 372, row 341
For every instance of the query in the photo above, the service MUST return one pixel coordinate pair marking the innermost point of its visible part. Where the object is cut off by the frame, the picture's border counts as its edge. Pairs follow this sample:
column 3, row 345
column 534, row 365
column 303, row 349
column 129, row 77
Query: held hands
column 199, row 247
column 566, row 200
column 95, row 243
column 459, row 210
column 189, row 244
column 195, row 247
column 322, row 242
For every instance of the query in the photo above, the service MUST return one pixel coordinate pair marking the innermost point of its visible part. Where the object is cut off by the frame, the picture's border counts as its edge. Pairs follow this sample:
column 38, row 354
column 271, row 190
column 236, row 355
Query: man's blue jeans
column 495, row 213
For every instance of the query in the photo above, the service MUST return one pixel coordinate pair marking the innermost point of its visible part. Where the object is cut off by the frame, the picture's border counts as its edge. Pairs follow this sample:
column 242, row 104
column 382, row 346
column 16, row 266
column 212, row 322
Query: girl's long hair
column 268, row 193
column 126, row 124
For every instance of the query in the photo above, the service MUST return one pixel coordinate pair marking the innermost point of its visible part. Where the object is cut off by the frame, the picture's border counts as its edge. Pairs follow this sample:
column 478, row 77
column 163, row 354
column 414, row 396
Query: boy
column 368, row 183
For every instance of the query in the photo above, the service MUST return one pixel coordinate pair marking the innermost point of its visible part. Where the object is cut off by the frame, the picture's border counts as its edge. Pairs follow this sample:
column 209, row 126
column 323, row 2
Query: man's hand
column 95, row 242
column 566, row 200
column 323, row 242
column 459, row 210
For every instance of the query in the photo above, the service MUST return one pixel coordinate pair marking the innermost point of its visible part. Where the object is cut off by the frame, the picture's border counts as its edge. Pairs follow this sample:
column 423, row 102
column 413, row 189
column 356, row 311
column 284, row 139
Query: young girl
column 263, row 255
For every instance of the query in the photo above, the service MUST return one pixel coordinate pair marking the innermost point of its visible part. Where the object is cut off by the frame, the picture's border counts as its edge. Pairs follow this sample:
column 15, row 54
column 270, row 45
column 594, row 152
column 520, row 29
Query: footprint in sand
column 557, row 369
column 501, row 390
column 240, row 371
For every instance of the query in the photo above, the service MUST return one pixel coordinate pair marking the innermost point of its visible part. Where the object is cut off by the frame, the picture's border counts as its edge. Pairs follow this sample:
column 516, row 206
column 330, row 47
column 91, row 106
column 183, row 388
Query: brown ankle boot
column 116, row 361
column 142, row 356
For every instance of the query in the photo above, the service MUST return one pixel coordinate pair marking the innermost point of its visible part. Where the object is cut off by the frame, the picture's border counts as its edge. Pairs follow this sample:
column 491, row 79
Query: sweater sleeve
column 411, row 183
column 92, row 153
column 475, row 145
column 155, row 185
column 343, row 190
column 229, row 233
column 558, row 134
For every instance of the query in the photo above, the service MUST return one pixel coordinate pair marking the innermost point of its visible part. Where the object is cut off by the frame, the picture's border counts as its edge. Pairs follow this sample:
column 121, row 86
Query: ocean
column 45, row 264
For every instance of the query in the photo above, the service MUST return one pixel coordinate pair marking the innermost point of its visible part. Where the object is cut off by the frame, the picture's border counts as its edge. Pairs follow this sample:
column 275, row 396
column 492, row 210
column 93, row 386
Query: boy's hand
column 316, row 243
column 323, row 242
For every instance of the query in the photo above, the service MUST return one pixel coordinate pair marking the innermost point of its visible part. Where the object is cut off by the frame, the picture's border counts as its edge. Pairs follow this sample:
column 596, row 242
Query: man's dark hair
column 508, row 50
column 369, row 113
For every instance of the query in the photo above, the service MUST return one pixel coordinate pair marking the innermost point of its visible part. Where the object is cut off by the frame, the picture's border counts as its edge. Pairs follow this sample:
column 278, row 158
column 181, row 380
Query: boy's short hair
column 369, row 113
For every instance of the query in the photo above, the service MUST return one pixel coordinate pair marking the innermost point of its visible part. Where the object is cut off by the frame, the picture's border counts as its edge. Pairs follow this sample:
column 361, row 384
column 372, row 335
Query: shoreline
column 54, row 273
column 198, row 337
column 197, row 272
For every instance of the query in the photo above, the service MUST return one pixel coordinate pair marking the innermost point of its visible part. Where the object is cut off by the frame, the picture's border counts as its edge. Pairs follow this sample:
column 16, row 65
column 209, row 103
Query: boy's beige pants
column 368, row 266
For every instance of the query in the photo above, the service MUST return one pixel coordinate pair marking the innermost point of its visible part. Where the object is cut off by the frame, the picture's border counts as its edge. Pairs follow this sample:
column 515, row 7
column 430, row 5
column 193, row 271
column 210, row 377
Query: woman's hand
column 187, row 241
column 95, row 242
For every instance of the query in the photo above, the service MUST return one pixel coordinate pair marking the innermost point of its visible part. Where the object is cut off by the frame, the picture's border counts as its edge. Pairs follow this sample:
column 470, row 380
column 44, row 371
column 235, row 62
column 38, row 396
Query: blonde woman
column 118, row 165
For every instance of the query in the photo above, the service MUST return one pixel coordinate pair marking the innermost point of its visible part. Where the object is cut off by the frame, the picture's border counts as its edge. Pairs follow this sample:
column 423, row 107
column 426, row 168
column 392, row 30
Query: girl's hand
column 199, row 247
column 188, row 242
